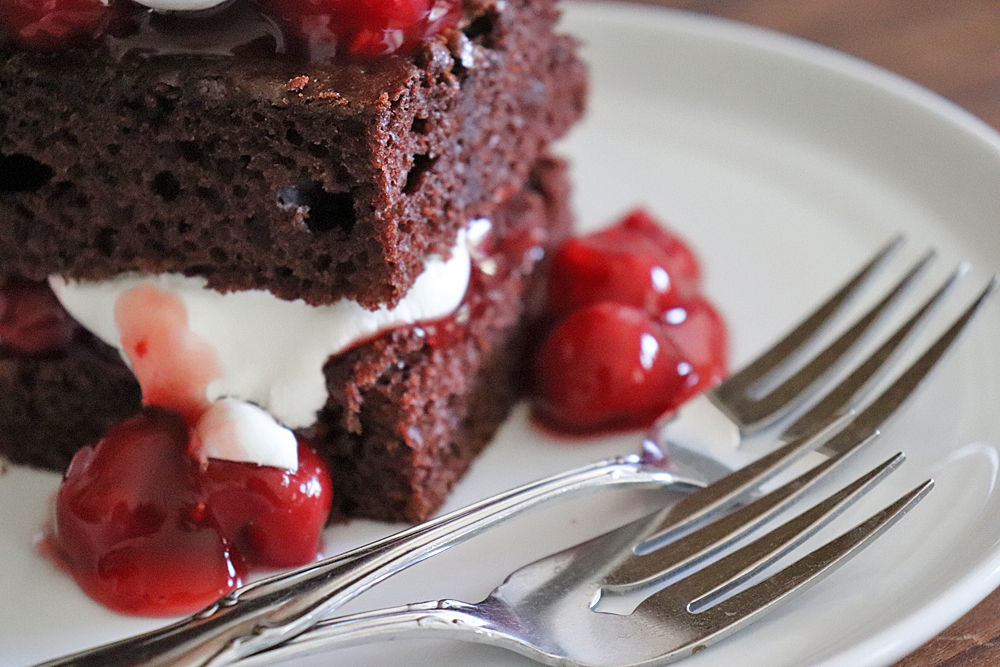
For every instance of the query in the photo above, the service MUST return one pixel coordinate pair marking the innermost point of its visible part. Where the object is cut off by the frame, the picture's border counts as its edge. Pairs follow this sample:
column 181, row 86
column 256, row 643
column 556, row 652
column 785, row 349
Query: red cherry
column 49, row 25
column 32, row 320
column 655, row 278
column 634, row 263
column 274, row 516
column 145, row 529
column 127, row 526
column 178, row 571
column 361, row 29
column 684, row 266
column 699, row 332
column 605, row 366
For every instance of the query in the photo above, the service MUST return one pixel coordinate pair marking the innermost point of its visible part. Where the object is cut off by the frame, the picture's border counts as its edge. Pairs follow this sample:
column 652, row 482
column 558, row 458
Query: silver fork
column 551, row 610
column 276, row 609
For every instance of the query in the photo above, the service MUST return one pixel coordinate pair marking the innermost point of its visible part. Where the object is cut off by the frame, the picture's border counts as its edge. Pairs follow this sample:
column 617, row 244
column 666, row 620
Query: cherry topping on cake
column 32, row 321
column 145, row 529
column 50, row 25
column 317, row 30
column 361, row 29
column 633, row 337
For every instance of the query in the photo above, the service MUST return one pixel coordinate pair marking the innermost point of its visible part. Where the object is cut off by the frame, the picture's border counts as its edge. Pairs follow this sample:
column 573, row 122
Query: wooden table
column 953, row 48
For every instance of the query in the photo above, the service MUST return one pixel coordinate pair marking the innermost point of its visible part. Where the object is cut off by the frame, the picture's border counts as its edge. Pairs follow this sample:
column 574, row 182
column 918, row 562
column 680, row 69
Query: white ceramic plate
column 785, row 165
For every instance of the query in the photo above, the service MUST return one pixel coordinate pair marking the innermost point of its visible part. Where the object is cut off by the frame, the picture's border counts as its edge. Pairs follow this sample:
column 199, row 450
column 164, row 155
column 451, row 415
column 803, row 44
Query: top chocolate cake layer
column 311, row 181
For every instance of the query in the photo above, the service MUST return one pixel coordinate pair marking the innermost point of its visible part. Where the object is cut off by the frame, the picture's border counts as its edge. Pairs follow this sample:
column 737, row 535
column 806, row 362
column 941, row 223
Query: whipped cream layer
column 272, row 351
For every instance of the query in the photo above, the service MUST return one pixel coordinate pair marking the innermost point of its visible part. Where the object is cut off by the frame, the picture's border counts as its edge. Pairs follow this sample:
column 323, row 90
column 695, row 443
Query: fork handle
column 448, row 618
column 273, row 610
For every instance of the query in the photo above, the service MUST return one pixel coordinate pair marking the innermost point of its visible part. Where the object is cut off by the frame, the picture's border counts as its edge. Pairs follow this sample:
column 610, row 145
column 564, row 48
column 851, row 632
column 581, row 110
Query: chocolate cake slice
column 312, row 181
column 407, row 411
column 379, row 225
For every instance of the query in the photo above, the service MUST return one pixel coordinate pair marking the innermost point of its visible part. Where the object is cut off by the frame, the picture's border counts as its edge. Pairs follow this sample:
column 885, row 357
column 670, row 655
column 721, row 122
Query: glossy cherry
column 49, row 25
column 361, row 29
column 635, row 262
column 699, row 332
column 684, row 266
column 317, row 30
column 127, row 525
column 634, row 338
column 145, row 529
column 605, row 366
column 272, row 516
column 32, row 321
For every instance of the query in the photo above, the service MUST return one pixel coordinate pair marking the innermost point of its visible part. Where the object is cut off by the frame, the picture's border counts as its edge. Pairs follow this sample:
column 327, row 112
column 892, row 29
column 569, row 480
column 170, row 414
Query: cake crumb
column 297, row 84
column 332, row 95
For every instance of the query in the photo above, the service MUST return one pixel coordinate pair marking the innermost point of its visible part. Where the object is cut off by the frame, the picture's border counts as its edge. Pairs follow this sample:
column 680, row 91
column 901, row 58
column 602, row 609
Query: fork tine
column 703, row 589
column 878, row 412
column 808, row 329
column 684, row 517
column 851, row 387
column 698, row 508
column 717, row 622
column 673, row 560
column 710, row 584
column 757, row 413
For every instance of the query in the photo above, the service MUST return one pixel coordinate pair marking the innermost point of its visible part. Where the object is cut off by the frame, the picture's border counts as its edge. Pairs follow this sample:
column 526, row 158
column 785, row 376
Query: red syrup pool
column 147, row 526
column 632, row 336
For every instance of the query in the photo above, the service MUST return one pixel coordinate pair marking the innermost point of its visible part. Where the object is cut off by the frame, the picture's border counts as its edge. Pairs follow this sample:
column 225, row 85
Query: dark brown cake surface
column 314, row 182
column 51, row 405
column 407, row 411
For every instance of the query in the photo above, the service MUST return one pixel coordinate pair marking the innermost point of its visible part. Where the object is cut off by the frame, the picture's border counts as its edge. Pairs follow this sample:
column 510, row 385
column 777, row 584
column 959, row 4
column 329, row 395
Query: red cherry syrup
column 633, row 337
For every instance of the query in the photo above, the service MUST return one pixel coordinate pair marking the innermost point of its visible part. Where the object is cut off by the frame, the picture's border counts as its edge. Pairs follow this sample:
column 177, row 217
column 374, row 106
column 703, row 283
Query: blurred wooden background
column 953, row 48
column 949, row 46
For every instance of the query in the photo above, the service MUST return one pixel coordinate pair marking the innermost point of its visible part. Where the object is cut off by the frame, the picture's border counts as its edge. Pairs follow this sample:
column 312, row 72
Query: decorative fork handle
column 448, row 618
column 273, row 610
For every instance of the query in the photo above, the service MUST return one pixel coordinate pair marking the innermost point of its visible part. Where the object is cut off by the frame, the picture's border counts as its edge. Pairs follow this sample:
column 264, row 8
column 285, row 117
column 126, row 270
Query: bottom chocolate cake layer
column 53, row 404
column 407, row 411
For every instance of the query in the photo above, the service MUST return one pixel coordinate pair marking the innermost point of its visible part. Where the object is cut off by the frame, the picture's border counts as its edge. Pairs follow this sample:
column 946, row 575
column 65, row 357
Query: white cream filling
column 272, row 351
